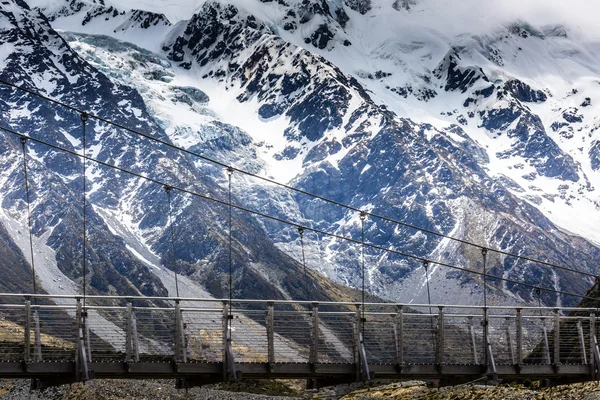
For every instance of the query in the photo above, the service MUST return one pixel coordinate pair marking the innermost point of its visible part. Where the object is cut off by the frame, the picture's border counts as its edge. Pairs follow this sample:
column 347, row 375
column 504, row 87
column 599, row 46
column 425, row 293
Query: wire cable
column 23, row 143
column 306, row 290
column 363, row 216
column 287, row 222
column 84, row 118
column 597, row 283
column 484, row 254
column 426, row 267
column 168, row 190
column 288, row 187
column 230, row 202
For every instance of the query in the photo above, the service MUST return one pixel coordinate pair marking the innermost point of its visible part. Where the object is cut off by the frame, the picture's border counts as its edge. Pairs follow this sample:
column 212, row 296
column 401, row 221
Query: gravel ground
column 417, row 390
column 123, row 389
column 411, row 390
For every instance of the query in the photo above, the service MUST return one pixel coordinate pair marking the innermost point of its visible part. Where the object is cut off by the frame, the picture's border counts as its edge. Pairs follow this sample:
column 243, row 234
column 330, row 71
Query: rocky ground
column 289, row 390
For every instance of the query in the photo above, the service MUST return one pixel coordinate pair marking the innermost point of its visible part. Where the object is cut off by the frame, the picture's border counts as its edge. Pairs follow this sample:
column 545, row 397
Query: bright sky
column 580, row 16
column 459, row 15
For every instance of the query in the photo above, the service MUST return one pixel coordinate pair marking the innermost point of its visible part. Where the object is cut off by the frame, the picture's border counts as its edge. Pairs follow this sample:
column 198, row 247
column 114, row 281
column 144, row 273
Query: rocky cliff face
column 128, row 236
column 452, row 136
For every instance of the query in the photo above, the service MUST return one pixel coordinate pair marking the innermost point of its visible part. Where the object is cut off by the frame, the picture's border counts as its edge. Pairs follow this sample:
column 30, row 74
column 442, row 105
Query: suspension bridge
column 54, row 339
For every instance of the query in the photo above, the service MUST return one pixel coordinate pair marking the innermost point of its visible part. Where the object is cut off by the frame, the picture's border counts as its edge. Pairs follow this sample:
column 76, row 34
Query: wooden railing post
column 509, row 341
column 37, row 352
column 271, row 335
column 229, row 369
column 87, row 337
column 473, row 341
column 27, row 337
column 556, row 337
column 519, row 336
column 178, row 347
column 136, row 347
column 546, row 343
column 399, row 335
column 357, row 343
column 225, row 342
column 363, row 371
column 440, row 338
column 486, row 342
column 128, row 334
column 314, row 343
column 592, row 349
column 78, row 347
column 81, row 361
column 582, row 343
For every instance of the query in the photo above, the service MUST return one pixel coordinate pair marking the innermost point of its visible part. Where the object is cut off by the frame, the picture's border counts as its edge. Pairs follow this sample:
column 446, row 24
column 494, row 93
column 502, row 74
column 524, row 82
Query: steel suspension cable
column 545, row 338
column 168, row 190
column 306, row 291
column 84, row 118
column 23, row 143
column 426, row 267
column 597, row 283
column 363, row 216
column 288, row 187
column 284, row 221
column 229, row 176
column 484, row 254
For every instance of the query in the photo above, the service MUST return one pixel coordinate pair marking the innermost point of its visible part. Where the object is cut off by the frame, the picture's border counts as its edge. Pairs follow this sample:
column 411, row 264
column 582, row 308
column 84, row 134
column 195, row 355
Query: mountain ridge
column 335, row 132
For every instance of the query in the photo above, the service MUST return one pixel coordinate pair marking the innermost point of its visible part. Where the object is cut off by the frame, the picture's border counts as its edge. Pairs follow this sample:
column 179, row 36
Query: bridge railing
column 137, row 330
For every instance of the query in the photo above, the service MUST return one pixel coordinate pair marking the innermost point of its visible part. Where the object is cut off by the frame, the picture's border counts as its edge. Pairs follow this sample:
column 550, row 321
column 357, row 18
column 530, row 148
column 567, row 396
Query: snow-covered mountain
column 487, row 135
column 129, row 246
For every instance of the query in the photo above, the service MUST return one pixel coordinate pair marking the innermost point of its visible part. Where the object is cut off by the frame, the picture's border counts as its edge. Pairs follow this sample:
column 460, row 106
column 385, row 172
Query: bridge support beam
column 556, row 337
column 362, row 362
column 584, row 358
column 229, row 370
column 180, row 345
column 593, row 360
column 439, row 359
column 547, row 358
column 356, row 346
column 37, row 351
column 82, row 372
column 519, row 337
column 270, row 335
column 132, row 353
column 399, row 337
column 313, row 357
column 486, row 341
column 492, row 371
column 509, row 341
column 473, row 341
column 596, row 363
column 129, row 334
column 27, row 332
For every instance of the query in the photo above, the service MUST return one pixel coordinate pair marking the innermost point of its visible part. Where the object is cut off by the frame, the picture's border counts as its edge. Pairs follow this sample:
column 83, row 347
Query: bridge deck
column 56, row 338
column 121, row 370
